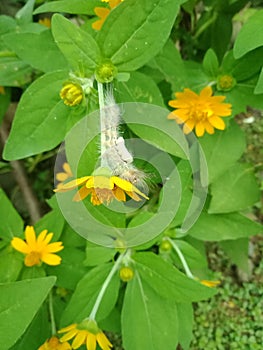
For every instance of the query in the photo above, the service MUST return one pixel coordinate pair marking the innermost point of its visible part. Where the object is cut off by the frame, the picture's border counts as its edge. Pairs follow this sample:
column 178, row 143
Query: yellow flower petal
column 68, row 328
column 206, row 92
column 103, row 341
column 54, row 247
column 61, row 176
column 51, row 259
column 119, row 194
column 73, row 184
column 91, row 342
column 71, row 334
column 20, row 245
column 48, row 238
column 67, row 169
column 31, row 237
column 217, row 122
column 41, row 237
column 199, row 129
column 82, row 193
column 79, row 339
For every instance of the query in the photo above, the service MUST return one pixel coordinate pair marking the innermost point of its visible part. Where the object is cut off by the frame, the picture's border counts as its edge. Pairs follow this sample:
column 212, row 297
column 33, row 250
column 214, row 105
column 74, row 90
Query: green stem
column 51, row 312
column 205, row 25
column 7, row 54
column 104, row 287
column 181, row 257
column 102, row 119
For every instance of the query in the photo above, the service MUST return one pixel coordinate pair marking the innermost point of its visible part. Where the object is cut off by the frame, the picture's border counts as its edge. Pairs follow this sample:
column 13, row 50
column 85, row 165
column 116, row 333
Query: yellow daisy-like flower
column 72, row 94
column 201, row 112
column 64, row 175
column 38, row 249
column 210, row 284
column 103, row 12
column 86, row 332
column 103, row 189
column 54, row 344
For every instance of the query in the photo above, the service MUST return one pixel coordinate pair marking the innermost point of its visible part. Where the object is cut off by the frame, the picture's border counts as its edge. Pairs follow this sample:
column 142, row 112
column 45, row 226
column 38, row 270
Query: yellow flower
column 210, row 284
column 86, row 332
column 201, row 112
column 54, row 344
column 103, row 189
column 103, row 12
column 2, row 90
column 45, row 22
column 71, row 94
column 64, row 175
column 38, row 249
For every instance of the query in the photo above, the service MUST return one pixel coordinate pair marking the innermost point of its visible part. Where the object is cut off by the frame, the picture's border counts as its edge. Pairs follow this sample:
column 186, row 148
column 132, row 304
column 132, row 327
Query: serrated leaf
column 235, row 190
column 250, row 35
column 86, row 292
column 148, row 320
column 36, row 49
column 11, row 223
column 78, row 47
column 136, row 43
column 220, row 227
column 40, row 110
column 19, row 303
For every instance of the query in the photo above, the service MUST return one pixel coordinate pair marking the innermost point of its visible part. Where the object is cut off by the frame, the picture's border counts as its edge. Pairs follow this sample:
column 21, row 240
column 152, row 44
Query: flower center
column 225, row 83
column 200, row 112
column 33, row 258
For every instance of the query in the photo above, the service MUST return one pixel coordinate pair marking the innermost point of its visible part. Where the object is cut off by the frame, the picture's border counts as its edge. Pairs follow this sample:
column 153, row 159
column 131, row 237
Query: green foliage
column 200, row 190
column 21, row 298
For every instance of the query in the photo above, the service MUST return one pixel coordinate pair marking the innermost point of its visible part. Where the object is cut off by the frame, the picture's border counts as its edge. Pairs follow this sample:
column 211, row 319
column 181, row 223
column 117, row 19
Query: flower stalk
column 182, row 258
column 105, row 285
column 51, row 313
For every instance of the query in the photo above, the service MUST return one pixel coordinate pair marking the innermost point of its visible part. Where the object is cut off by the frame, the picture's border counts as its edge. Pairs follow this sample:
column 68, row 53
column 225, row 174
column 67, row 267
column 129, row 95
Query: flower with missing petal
column 202, row 112
column 38, row 249
column 85, row 333
column 54, row 344
column 103, row 12
column 103, row 189
column 64, row 175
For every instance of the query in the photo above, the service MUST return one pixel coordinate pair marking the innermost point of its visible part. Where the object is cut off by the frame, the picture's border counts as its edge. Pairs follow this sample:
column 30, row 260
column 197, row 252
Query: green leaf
column 96, row 255
column 13, row 71
column 235, row 190
column 139, row 88
column 11, row 263
column 167, row 281
column 222, row 149
column 237, row 250
column 71, row 269
column 83, row 7
column 138, row 42
column 25, row 14
column 19, row 303
column 40, row 110
column 157, row 130
column 220, row 227
column 86, row 292
column 210, row 63
column 11, row 223
column 259, row 87
column 37, row 332
column 192, row 255
column 185, row 325
column 36, row 49
column 78, row 47
column 148, row 320
column 53, row 222
column 250, row 36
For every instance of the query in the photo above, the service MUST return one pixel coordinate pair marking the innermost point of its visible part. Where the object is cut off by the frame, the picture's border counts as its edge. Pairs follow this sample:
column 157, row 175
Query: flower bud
column 225, row 82
column 106, row 72
column 165, row 247
column 71, row 94
column 126, row 274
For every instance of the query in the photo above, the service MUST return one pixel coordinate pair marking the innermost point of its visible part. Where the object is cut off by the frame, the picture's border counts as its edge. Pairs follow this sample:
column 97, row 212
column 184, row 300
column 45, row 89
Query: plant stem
column 206, row 25
column 51, row 312
column 102, row 119
column 104, row 287
column 181, row 257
